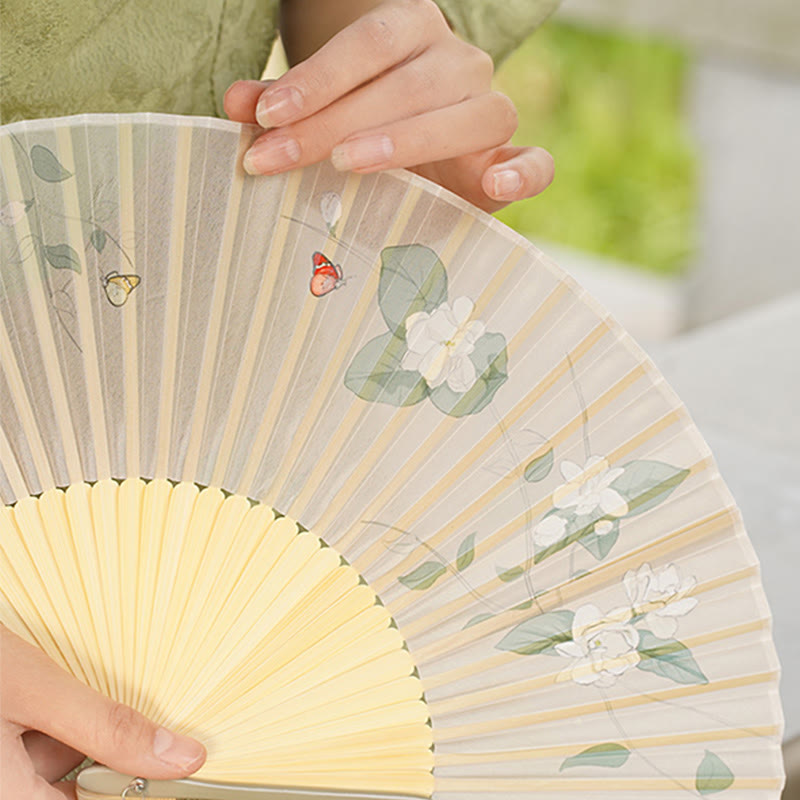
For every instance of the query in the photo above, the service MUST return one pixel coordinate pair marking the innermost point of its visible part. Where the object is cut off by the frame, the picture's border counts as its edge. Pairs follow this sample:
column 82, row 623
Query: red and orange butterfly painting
column 326, row 277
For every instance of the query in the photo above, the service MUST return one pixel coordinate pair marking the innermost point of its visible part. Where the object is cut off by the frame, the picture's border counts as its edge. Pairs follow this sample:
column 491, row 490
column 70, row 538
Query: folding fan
column 342, row 477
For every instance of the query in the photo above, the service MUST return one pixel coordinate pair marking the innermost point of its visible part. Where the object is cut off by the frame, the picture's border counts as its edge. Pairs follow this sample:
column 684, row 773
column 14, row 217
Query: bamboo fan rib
column 515, row 567
column 253, row 602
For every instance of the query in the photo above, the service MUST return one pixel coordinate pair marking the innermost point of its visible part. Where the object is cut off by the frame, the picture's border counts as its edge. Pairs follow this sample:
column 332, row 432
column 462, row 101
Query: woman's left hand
column 395, row 88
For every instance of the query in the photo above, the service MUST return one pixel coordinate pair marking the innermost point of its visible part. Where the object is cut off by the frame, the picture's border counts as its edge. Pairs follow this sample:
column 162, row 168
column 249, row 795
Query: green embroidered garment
column 76, row 56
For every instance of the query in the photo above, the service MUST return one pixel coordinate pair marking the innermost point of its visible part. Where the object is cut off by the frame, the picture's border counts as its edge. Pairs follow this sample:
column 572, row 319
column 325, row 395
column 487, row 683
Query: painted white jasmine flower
column 439, row 345
column 602, row 648
column 549, row 530
column 588, row 488
column 660, row 596
column 12, row 212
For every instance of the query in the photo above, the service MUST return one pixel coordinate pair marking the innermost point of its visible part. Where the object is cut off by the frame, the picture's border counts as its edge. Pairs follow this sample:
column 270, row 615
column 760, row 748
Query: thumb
column 491, row 179
column 37, row 694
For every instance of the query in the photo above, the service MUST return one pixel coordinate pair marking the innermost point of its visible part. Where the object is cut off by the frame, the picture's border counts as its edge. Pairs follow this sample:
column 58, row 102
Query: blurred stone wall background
column 744, row 107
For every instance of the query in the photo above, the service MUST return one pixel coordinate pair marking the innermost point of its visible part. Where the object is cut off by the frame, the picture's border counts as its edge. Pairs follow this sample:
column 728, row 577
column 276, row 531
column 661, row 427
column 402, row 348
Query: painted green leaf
column 599, row 545
column 412, row 279
column 608, row 754
column 98, row 239
column 375, row 374
column 491, row 366
column 47, row 166
column 424, row 576
column 476, row 619
column 713, row 775
column 645, row 484
column 510, row 574
column 523, row 605
column 538, row 469
column 104, row 210
column 62, row 256
column 668, row 658
column 538, row 634
column 466, row 552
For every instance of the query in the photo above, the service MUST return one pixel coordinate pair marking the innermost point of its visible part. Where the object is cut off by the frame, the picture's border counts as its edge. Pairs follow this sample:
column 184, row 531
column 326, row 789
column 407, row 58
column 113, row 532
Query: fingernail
column 271, row 155
column 279, row 107
column 506, row 182
column 177, row 751
column 369, row 151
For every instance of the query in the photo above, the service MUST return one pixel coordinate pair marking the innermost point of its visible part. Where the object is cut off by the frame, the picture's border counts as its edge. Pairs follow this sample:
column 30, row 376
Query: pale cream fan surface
column 344, row 478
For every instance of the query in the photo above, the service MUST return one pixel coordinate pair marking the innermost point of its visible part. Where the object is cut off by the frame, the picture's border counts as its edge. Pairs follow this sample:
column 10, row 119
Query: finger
column 38, row 694
column 435, row 136
column 527, row 174
column 377, row 41
column 17, row 771
column 40, row 789
column 51, row 759
column 67, row 789
column 422, row 85
column 241, row 98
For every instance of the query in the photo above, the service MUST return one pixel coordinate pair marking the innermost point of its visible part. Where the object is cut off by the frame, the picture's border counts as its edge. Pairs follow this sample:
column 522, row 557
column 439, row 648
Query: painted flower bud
column 331, row 208
column 12, row 212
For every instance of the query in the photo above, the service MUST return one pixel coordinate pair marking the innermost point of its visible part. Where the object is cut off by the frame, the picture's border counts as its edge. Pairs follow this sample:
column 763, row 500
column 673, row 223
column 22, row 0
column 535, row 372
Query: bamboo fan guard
column 347, row 480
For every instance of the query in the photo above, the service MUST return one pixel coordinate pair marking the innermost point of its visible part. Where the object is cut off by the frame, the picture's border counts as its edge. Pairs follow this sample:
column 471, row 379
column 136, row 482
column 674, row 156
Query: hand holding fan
column 345, row 479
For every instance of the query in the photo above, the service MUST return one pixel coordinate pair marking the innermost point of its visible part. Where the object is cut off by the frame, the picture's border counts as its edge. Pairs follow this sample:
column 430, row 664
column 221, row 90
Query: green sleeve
column 496, row 26
column 60, row 57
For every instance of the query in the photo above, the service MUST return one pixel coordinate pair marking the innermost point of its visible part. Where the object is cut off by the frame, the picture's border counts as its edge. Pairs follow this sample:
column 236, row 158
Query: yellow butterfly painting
column 119, row 287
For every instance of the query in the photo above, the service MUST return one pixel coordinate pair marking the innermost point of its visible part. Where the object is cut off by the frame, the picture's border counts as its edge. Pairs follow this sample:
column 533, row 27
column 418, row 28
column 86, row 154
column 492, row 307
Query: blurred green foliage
column 609, row 107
